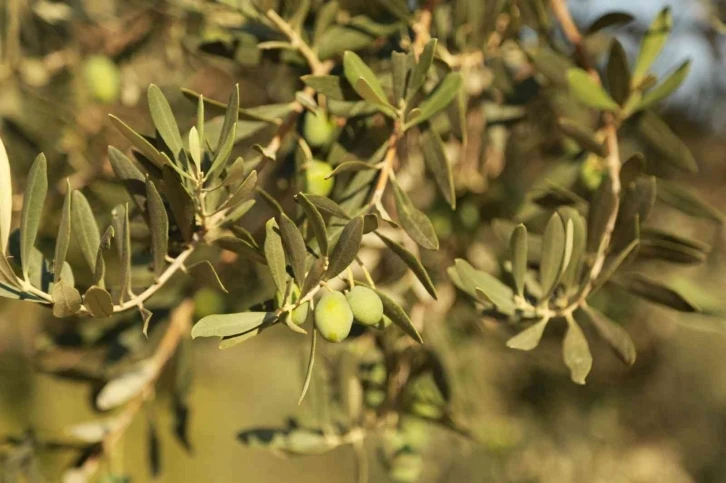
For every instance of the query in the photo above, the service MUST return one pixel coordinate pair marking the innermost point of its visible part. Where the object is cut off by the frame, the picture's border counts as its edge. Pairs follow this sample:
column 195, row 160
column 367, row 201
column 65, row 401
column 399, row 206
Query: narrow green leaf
column 123, row 248
column 224, row 325
column 326, row 205
column 610, row 19
column 364, row 89
column 553, row 253
column 652, row 44
column 195, row 148
column 571, row 275
column 159, row 225
column 66, row 299
column 6, row 199
column 98, row 302
column 616, row 337
column 414, row 221
column 230, row 118
column 576, row 352
column 663, row 140
column 36, row 189
column 240, row 247
column 164, row 121
column 309, row 369
column 667, row 87
column 316, row 222
column 420, row 71
column 222, row 155
column 530, row 337
column 355, row 69
column 100, row 273
column 399, row 316
column 314, row 276
column 243, row 191
column 275, row 255
column 347, row 247
column 348, row 166
column 618, row 73
column 412, row 262
column 205, row 272
column 294, row 244
column 435, row 158
column 585, row 137
column 131, row 177
column 181, row 204
column 200, row 126
column 602, row 205
column 7, row 275
column 612, row 264
column 443, row 94
column 687, row 201
column 518, row 249
column 139, row 142
column 399, row 74
column 656, row 292
column 85, row 228
column 64, row 235
column 588, row 91
column 331, row 86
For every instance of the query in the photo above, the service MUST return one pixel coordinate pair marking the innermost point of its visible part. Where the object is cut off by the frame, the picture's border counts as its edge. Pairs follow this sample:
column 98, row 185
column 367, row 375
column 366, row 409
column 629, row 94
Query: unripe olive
column 427, row 410
column 103, row 78
column 315, row 181
column 208, row 301
column 333, row 316
column 374, row 397
column 591, row 172
column 469, row 215
column 299, row 315
column 406, row 468
column 366, row 305
column 317, row 129
column 384, row 323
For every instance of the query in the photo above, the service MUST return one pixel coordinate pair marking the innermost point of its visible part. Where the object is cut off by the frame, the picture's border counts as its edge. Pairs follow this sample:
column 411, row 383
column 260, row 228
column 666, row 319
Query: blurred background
column 65, row 65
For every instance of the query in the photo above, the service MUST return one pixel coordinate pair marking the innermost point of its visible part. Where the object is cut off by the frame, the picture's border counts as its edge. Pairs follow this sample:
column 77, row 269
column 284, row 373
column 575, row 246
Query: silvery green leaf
column 436, row 101
column 667, row 87
column 181, row 204
column 130, row 176
column 64, row 235
column 6, row 199
column 164, row 121
column 326, row 205
column 412, row 262
column 347, row 247
column 400, row 71
column 159, row 224
column 570, row 277
column 224, row 325
column 414, row 221
column 331, row 86
column 518, row 250
column 125, row 387
column 355, row 69
column 98, row 302
column 66, row 299
column 530, row 337
column 294, row 244
column 588, row 91
column 435, row 157
column 275, row 255
column 230, row 118
column 420, row 71
column 475, row 282
column 36, row 189
column 123, row 247
column 140, row 142
column 618, row 73
column 616, row 337
column 195, row 148
column 399, row 316
column 243, row 191
column 576, row 352
column 316, row 222
column 85, row 228
column 652, row 44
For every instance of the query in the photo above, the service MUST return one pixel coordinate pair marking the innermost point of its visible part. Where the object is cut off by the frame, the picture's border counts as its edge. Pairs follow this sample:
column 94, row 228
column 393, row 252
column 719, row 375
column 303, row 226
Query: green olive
column 333, row 317
column 315, row 181
column 366, row 305
column 318, row 129
column 103, row 78
column 591, row 172
column 374, row 397
column 299, row 315
column 406, row 467
column 208, row 301
column 469, row 215
column 384, row 323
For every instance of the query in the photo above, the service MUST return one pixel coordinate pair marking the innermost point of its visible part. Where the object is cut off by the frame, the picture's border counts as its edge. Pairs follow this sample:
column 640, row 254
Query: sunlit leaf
column 530, row 337
column 85, row 228
column 576, row 352
column 588, row 91
column 66, row 299
column 275, row 255
column 164, row 121
column 652, row 44
column 355, row 69
column 36, row 189
column 667, row 87
column 159, row 224
column 6, row 199
column 223, row 325
column 63, row 238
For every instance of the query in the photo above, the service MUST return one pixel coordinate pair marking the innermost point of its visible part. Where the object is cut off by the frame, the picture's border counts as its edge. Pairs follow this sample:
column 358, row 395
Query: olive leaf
column 123, row 247
column 576, row 352
column 6, row 199
column 201, row 135
column 610, row 19
column 309, row 369
column 224, row 325
column 275, row 255
column 331, row 86
column 347, row 247
column 164, row 121
column 579, row 243
column 421, row 69
column 144, row 146
column 588, row 91
column 294, row 244
column 616, row 337
column 85, row 228
column 123, row 388
column 553, row 254
column 435, row 158
column 399, row 74
column 476, row 282
column 66, row 299
column 230, row 118
column 663, row 140
column 347, row 166
column 240, row 247
column 518, row 250
column 656, row 292
column 355, row 69
column 326, row 205
column 652, row 44
column 180, row 202
column 530, row 337
column 688, row 202
column 36, row 189
column 205, row 272
column 443, row 94
column 585, row 137
column 618, row 73
column 99, row 276
column 316, row 222
column 7, row 275
column 63, row 239
column 130, row 176
column 412, row 262
column 667, row 87
column 195, row 148
column 159, row 224
column 602, row 205
column 98, row 302
column 399, row 316
column 414, row 221
column 243, row 191
column 314, row 276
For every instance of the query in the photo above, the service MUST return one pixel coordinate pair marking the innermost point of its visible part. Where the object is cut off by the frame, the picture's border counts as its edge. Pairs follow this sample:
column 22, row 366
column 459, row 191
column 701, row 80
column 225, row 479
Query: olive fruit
column 300, row 314
column 315, row 181
column 103, row 78
column 333, row 316
column 384, row 323
column 208, row 301
column 366, row 305
column 406, row 467
column 318, row 129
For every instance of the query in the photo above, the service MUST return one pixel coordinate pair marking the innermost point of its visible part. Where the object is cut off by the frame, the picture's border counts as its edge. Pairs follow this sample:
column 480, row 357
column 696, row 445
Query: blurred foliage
column 470, row 174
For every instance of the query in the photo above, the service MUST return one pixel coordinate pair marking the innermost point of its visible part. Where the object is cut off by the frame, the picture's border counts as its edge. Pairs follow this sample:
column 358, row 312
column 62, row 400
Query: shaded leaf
column 85, row 228
column 63, row 239
column 331, row 86
column 316, row 222
column 436, row 101
column 414, row 221
column 610, row 19
column 616, row 337
column 412, row 263
column 347, row 247
column 530, row 337
column 159, row 224
column 667, row 87
column 223, row 325
column 518, row 250
column 347, row 166
column 275, row 255
column 355, row 69
column 663, row 140
column 435, row 158
column 420, row 71
column 123, row 247
column 240, row 247
column 314, row 276
column 139, row 142
column 688, row 202
column 294, row 244
column 399, row 74
column 326, row 205
column 583, row 135
column 576, row 352
column 66, row 299
column 399, row 316
column 36, row 189
column 553, row 254
column 98, row 302
column 618, row 73
column 656, row 292
column 602, row 205
column 181, row 204
column 130, row 176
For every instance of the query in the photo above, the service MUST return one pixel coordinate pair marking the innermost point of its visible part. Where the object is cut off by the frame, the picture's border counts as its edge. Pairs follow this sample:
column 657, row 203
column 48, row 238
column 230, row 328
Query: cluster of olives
column 335, row 312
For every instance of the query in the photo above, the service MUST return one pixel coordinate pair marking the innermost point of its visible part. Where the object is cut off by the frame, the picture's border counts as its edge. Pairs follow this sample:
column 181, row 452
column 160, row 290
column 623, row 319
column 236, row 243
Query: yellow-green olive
column 102, row 78
column 299, row 315
column 315, row 181
column 208, row 301
column 317, row 129
column 366, row 305
column 333, row 317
